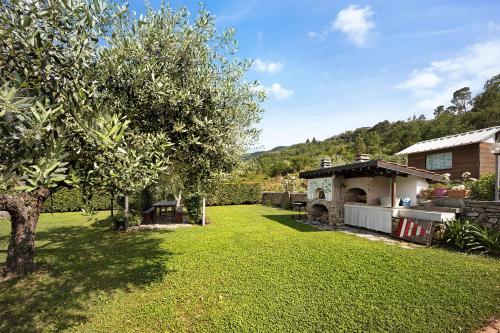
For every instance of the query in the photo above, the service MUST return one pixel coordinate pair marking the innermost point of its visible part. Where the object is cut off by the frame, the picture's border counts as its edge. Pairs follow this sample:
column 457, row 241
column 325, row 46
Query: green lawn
column 253, row 269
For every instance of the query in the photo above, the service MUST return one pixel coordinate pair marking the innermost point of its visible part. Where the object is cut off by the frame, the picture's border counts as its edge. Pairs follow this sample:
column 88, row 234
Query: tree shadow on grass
column 79, row 263
column 288, row 221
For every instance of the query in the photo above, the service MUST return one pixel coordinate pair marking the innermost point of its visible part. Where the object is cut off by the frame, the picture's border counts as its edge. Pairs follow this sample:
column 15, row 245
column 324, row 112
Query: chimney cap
column 325, row 162
column 362, row 157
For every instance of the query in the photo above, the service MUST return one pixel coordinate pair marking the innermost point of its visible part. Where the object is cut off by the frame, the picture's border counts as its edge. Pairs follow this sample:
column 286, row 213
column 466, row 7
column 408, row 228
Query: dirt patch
column 493, row 327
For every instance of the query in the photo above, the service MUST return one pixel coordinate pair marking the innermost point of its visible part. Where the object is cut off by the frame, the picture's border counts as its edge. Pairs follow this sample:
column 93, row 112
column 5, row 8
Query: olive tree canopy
column 92, row 96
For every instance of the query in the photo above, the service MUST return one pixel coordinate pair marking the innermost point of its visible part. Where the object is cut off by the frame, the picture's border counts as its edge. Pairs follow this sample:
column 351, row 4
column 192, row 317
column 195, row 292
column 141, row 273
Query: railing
column 370, row 217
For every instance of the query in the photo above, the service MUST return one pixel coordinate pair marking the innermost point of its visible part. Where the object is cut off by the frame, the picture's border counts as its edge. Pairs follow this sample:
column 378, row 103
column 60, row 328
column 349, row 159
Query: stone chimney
column 362, row 158
column 326, row 162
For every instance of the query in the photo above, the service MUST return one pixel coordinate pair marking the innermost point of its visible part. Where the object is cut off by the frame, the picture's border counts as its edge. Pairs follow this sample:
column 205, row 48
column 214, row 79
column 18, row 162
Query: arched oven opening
column 318, row 213
column 319, row 194
column 355, row 195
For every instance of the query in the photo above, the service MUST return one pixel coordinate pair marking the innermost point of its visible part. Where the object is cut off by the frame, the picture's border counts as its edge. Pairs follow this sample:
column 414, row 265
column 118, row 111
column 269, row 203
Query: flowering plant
column 464, row 184
column 445, row 178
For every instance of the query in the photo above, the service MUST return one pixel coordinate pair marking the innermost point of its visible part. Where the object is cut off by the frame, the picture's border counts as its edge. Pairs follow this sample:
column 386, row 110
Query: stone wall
column 333, row 216
column 282, row 199
column 485, row 213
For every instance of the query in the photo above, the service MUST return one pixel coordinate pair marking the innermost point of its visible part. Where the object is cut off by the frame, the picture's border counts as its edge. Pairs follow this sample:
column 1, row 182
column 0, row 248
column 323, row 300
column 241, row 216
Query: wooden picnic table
column 165, row 209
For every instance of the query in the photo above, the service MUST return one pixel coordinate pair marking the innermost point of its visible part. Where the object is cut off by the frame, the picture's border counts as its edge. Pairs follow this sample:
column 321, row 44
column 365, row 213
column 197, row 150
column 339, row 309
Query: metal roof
column 370, row 168
column 482, row 135
column 165, row 203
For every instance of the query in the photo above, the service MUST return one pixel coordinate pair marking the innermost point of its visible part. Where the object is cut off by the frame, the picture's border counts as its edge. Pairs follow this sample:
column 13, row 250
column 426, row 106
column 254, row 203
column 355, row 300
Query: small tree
column 439, row 110
column 124, row 161
column 462, row 100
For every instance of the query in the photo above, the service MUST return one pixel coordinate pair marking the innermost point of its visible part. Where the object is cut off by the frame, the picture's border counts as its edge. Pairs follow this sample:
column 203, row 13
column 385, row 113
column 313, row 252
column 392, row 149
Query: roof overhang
column 370, row 169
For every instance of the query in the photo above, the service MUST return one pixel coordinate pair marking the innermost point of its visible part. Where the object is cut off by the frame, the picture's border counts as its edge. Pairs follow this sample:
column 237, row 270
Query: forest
column 384, row 139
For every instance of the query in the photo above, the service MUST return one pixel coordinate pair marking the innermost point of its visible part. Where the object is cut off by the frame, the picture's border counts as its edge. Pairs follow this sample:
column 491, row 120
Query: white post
column 497, row 177
column 495, row 149
column 203, row 213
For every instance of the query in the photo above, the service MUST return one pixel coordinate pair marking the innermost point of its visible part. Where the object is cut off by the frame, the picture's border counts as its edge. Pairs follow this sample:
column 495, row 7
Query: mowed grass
column 252, row 270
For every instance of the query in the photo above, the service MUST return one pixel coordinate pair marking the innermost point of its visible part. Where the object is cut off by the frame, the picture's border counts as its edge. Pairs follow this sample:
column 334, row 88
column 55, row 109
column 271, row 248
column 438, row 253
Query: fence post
column 203, row 213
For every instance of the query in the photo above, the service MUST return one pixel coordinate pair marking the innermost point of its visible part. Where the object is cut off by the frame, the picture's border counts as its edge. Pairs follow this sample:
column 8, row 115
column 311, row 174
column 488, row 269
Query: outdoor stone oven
column 325, row 211
column 364, row 184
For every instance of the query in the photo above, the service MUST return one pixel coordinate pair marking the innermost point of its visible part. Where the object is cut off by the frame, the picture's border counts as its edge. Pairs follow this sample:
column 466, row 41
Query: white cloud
column 421, row 80
column 276, row 90
column 356, row 23
column 434, row 85
column 317, row 36
column 279, row 91
column 268, row 67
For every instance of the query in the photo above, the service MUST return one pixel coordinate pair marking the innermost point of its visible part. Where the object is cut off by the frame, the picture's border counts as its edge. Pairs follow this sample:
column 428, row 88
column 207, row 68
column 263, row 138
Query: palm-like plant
column 457, row 233
column 484, row 239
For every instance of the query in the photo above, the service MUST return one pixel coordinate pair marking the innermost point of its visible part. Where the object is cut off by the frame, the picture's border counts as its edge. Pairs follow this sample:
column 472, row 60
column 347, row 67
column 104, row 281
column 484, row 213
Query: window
column 439, row 161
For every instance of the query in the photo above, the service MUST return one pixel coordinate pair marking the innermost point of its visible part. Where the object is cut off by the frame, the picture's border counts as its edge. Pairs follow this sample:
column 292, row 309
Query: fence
column 282, row 199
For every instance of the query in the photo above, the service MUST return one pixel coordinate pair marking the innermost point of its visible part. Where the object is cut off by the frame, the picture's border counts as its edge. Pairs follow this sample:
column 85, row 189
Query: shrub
column 72, row 200
column 484, row 188
column 193, row 205
column 234, row 194
column 457, row 233
column 465, row 235
column 484, row 239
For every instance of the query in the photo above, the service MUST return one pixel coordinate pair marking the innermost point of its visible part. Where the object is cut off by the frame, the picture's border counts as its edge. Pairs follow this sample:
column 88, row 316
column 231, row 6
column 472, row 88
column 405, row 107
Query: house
column 456, row 154
column 367, row 193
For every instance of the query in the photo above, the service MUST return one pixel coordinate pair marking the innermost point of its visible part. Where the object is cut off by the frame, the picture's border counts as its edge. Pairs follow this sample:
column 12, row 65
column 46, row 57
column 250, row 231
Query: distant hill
column 261, row 152
column 384, row 139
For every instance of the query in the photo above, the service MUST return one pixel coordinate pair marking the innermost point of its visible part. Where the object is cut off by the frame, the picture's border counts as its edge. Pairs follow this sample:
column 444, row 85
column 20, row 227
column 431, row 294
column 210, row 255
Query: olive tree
column 123, row 161
column 96, row 96
column 33, row 162
column 170, row 73
column 47, row 51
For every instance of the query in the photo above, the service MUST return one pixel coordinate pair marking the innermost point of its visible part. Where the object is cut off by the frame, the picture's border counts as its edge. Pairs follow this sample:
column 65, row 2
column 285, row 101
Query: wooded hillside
column 381, row 141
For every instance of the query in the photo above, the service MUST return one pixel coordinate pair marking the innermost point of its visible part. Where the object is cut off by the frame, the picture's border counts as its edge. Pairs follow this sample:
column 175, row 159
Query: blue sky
column 332, row 66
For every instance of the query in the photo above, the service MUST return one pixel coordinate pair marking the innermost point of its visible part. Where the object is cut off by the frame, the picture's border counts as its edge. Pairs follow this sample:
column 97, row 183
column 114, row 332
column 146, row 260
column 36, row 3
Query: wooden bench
column 148, row 216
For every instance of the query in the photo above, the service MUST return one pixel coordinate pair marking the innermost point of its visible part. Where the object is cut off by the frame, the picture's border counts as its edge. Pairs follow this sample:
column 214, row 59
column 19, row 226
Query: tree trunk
column 24, row 210
column 178, row 199
column 126, row 208
column 112, row 202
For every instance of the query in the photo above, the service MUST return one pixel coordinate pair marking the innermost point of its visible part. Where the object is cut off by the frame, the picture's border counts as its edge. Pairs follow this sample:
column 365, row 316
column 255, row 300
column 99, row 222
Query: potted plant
column 458, row 191
column 462, row 190
column 441, row 189
column 425, row 195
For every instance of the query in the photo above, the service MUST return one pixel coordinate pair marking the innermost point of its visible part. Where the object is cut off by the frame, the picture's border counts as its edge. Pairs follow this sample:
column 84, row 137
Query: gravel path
column 366, row 234
column 169, row 226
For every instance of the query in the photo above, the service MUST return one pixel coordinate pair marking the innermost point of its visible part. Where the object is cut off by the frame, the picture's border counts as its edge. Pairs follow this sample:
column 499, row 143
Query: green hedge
column 484, row 188
column 235, row 194
column 71, row 200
